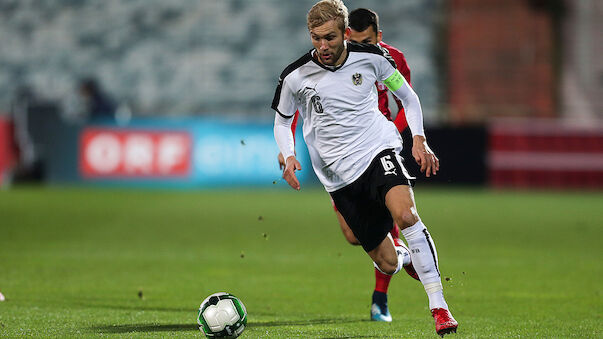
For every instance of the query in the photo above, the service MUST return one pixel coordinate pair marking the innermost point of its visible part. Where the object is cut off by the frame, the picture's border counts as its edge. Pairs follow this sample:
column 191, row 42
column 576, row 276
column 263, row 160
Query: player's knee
column 390, row 270
column 406, row 217
column 387, row 266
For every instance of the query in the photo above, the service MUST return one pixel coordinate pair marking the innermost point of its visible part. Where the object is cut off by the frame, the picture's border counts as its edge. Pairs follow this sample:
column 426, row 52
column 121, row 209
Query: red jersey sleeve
column 400, row 60
column 294, row 124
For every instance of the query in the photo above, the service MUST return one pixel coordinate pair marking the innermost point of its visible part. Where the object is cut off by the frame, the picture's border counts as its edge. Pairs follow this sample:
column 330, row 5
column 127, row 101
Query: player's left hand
column 291, row 166
column 424, row 156
column 281, row 161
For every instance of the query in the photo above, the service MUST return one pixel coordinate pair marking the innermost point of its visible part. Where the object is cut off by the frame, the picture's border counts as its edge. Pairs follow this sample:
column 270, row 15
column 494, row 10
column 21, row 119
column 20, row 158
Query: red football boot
column 410, row 269
column 444, row 322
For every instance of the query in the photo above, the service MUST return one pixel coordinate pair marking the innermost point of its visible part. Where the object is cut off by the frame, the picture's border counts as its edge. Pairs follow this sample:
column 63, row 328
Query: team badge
column 357, row 79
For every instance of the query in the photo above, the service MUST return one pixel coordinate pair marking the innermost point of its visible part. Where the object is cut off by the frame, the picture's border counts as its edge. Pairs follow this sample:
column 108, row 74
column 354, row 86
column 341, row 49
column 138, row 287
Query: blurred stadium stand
column 185, row 57
column 484, row 70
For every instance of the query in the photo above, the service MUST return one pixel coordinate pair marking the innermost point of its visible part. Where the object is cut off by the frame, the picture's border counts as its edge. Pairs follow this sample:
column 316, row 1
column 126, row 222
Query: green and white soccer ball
column 222, row 315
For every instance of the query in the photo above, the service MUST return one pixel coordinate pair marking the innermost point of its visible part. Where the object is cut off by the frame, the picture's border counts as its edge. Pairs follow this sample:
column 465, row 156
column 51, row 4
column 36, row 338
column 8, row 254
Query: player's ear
column 346, row 33
column 379, row 36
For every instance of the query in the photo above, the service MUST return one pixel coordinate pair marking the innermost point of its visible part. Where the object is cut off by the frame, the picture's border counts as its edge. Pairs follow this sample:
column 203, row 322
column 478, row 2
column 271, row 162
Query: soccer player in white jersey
column 364, row 28
column 354, row 149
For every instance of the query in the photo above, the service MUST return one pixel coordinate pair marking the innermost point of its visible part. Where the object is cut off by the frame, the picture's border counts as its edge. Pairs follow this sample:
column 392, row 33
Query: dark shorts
column 362, row 203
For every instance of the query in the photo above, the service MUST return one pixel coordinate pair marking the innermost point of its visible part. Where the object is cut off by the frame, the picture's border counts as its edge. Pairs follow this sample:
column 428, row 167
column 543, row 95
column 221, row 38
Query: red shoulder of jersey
column 399, row 58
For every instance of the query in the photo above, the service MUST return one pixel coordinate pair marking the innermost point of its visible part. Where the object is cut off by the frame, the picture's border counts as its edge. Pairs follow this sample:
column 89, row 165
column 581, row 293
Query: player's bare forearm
column 424, row 156
column 291, row 166
column 281, row 161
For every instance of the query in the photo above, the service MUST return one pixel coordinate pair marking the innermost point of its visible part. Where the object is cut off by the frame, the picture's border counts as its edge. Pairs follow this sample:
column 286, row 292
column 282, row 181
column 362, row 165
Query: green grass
column 72, row 262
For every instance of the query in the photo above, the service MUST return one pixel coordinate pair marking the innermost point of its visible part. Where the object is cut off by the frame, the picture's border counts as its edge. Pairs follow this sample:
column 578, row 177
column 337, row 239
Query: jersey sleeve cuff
column 283, row 115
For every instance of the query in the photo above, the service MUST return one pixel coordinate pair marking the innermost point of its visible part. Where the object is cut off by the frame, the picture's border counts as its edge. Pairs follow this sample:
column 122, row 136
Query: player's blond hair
column 327, row 10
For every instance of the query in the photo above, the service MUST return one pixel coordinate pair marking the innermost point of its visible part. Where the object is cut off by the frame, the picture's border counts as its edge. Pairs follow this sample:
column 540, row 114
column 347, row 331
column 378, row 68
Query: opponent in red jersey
column 364, row 26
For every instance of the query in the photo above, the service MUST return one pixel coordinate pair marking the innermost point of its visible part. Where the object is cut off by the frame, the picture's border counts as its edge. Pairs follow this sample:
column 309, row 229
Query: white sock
column 425, row 261
column 435, row 294
column 403, row 257
column 402, row 252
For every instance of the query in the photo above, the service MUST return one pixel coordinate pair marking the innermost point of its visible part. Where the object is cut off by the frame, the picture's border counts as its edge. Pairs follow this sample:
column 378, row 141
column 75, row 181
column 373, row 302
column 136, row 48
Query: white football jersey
column 342, row 125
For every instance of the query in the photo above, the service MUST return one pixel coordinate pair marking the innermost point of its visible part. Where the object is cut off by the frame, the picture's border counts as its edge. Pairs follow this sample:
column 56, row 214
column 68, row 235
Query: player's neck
column 339, row 61
column 342, row 57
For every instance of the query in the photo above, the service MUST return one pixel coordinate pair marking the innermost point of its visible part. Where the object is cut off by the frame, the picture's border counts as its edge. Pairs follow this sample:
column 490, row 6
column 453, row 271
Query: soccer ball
column 222, row 315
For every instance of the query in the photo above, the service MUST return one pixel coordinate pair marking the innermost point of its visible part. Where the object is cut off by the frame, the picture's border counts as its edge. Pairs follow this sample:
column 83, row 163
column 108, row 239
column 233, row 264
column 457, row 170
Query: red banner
column 545, row 154
column 134, row 153
column 8, row 151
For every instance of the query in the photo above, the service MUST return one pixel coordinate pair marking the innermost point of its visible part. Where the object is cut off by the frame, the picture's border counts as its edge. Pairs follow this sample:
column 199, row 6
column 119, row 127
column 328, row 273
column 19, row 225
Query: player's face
column 368, row 36
column 328, row 41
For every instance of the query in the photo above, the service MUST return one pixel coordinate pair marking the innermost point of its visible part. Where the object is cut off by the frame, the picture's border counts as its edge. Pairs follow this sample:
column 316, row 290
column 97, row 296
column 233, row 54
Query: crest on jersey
column 357, row 79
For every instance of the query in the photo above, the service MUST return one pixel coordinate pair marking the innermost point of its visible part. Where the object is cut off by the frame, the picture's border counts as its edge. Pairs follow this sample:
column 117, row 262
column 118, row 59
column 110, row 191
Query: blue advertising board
column 208, row 153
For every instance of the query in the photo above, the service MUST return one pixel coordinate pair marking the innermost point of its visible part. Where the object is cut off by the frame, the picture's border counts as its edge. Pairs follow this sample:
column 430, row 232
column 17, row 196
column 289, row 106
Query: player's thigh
column 400, row 202
column 346, row 230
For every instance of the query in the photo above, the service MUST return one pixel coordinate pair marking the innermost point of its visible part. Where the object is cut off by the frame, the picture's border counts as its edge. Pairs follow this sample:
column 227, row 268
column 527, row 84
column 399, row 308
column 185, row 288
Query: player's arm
column 284, row 101
column 281, row 159
column 286, row 144
column 423, row 155
column 402, row 65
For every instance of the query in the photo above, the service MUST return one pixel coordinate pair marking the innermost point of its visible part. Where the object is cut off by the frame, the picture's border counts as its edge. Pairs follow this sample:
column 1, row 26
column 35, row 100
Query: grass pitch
column 112, row 263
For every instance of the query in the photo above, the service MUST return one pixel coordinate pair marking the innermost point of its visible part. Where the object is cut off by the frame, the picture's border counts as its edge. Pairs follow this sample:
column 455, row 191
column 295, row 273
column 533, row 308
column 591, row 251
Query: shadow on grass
column 149, row 308
column 133, row 328
column 140, row 307
column 304, row 322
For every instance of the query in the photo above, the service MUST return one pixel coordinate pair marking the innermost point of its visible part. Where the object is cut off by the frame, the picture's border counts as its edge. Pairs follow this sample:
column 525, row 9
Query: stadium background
column 511, row 90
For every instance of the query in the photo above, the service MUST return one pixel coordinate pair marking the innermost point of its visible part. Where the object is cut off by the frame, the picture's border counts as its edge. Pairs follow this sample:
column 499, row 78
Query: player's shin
column 425, row 261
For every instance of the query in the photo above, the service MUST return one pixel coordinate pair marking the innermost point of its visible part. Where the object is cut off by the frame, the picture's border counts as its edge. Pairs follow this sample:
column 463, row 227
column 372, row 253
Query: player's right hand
column 281, row 161
column 291, row 166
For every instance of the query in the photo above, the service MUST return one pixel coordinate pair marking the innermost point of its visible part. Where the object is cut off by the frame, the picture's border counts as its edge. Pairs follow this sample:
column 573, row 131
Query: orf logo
column 357, row 79
column 134, row 153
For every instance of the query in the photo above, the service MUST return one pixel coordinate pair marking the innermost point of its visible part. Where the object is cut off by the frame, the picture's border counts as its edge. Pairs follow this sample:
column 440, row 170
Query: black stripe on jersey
column 288, row 70
column 284, row 116
column 328, row 68
column 277, row 98
column 370, row 48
